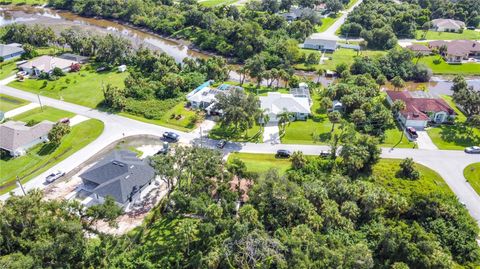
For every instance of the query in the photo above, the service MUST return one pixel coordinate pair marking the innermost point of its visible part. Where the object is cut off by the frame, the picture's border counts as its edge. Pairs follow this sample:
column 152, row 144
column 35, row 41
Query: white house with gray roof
column 120, row 175
column 276, row 103
column 317, row 41
column 16, row 137
column 46, row 64
column 447, row 25
column 11, row 51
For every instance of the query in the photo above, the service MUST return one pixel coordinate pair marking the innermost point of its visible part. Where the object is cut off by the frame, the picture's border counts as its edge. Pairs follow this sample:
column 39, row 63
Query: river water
column 178, row 49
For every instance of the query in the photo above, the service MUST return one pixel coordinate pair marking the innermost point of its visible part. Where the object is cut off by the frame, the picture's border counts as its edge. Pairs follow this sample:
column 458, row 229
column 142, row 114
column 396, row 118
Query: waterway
column 178, row 49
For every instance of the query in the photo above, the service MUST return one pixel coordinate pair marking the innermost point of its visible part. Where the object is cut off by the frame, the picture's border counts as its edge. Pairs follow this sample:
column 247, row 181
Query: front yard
column 83, row 87
column 449, row 69
column 251, row 135
column 457, row 136
column 8, row 102
column 434, row 35
column 44, row 113
column 7, row 69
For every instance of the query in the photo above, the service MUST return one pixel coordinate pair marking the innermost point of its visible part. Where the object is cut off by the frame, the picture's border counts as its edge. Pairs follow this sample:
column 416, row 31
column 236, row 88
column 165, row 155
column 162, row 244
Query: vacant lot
column 444, row 68
column 83, row 88
column 454, row 137
column 261, row 163
column 472, row 175
column 43, row 156
column 8, row 103
column 251, row 135
column 339, row 56
column 433, row 35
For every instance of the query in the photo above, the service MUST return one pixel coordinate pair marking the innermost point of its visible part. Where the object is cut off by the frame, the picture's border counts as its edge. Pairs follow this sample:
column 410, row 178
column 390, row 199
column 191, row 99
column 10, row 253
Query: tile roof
column 457, row 47
column 15, row 134
column 418, row 47
column 448, row 23
column 418, row 104
column 120, row 175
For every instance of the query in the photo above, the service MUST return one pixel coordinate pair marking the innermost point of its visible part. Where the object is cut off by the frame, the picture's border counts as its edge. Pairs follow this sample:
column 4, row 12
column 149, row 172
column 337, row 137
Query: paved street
column 449, row 164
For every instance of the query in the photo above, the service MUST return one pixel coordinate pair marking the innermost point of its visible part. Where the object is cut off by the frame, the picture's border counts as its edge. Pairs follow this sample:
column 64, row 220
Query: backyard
column 444, row 68
column 457, row 136
column 43, row 156
column 433, row 35
column 8, row 103
column 472, row 175
column 83, row 88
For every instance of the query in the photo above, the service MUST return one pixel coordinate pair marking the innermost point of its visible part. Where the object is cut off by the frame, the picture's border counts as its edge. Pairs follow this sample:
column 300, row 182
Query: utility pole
column 39, row 101
column 19, row 184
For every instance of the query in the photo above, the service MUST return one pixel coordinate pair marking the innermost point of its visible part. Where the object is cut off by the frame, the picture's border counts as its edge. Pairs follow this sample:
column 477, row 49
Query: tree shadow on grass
column 47, row 149
column 458, row 134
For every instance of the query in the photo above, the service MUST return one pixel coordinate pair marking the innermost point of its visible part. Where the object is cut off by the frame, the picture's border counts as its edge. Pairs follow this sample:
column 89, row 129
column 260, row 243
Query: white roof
column 277, row 103
column 47, row 63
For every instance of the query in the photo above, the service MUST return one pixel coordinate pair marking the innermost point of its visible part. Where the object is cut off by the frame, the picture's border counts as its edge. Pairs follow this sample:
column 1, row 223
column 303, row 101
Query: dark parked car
column 325, row 153
column 65, row 120
column 412, row 132
column 221, row 143
column 171, row 136
column 283, row 153
column 473, row 150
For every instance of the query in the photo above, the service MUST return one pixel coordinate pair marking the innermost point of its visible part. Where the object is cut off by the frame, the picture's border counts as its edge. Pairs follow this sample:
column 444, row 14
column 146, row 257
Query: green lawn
column 339, row 56
column 454, row 137
column 392, row 138
column 7, row 69
column 23, row 2
column 252, row 135
column 385, row 173
column 433, row 35
column 450, row 69
column 261, row 163
column 8, row 103
column 472, row 175
column 43, row 156
column 326, row 23
column 211, row 3
column 83, row 88
column 184, row 123
column 48, row 113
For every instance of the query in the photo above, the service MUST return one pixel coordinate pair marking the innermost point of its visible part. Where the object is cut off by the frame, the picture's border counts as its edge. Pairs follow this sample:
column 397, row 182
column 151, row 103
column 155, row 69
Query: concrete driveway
column 271, row 133
column 424, row 141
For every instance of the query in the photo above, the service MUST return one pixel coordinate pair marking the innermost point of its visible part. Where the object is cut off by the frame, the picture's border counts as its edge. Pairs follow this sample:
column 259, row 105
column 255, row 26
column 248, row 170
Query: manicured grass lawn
column 211, row 3
column 43, row 156
column 184, row 123
column 315, row 130
column 392, row 138
column 8, row 103
column 48, row 113
column 261, row 163
column 339, row 56
column 472, row 175
column 451, row 69
column 83, row 88
column 252, row 135
column 326, row 23
column 433, row 35
column 454, row 137
column 7, row 69
column 385, row 173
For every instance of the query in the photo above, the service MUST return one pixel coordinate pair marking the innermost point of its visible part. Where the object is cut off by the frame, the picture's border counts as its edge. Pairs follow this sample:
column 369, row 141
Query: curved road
column 449, row 164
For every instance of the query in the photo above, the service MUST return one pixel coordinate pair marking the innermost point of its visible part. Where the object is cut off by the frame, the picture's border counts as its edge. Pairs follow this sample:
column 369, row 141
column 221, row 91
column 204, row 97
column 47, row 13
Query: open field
column 341, row 55
column 45, row 113
column 450, row 69
column 7, row 69
column 433, row 35
column 454, row 137
column 43, row 156
column 83, row 88
column 261, row 163
column 8, row 103
column 472, row 175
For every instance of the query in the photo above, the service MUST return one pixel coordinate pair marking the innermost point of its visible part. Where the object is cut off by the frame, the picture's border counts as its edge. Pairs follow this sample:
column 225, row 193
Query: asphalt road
column 449, row 164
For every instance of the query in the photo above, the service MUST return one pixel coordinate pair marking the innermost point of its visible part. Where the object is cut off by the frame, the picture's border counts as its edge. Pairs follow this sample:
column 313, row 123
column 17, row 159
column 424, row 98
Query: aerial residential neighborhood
column 240, row 134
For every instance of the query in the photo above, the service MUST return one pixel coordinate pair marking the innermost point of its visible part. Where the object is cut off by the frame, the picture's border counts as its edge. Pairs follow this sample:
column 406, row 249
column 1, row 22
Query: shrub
column 32, row 122
column 408, row 170
column 75, row 67
column 57, row 72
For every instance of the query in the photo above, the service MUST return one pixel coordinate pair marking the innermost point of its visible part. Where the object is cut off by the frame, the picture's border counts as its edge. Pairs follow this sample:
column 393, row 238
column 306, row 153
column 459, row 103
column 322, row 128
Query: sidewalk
column 20, row 110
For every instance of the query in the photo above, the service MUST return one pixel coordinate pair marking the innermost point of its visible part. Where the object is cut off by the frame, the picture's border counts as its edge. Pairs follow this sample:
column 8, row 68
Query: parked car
column 473, row 150
column 54, row 176
column 412, row 132
column 325, row 153
column 164, row 150
column 171, row 136
column 283, row 153
column 221, row 143
column 65, row 120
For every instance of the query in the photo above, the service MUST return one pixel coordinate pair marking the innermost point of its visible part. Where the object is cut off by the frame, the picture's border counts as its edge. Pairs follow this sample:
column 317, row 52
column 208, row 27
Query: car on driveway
column 412, row 132
column 54, row 176
column 171, row 136
column 283, row 153
column 473, row 150
column 221, row 143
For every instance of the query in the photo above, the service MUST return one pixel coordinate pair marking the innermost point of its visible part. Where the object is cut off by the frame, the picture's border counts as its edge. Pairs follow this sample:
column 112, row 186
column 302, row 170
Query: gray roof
column 448, row 23
column 74, row 57
column 9, row 49
column 14, row 134
column 119, row 174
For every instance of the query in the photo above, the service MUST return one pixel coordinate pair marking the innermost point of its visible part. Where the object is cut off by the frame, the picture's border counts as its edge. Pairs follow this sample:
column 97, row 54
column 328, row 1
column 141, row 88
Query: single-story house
column 17, row 138
column 120, row 175
column 74, row 57
column 421, row 108
column 418, row 48
column 46, row 64
column 457, row 50
column 11, row 51
column 319, row 42
column 447, row 25
column 204, row 96
column 276, row 103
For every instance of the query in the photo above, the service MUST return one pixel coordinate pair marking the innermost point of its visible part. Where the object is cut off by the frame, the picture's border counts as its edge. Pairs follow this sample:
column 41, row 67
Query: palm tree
column 334, row 118
column 284, row 118
column 418, row 56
